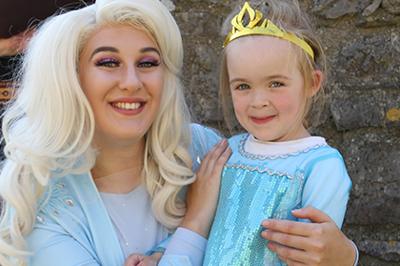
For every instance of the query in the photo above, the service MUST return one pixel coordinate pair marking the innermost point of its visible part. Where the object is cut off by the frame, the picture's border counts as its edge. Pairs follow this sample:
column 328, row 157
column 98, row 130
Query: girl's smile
column 262, row 120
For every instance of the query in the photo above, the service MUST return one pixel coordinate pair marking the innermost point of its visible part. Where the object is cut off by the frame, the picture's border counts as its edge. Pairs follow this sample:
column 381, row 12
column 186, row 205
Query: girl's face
column 267, row 88
column 121, row 73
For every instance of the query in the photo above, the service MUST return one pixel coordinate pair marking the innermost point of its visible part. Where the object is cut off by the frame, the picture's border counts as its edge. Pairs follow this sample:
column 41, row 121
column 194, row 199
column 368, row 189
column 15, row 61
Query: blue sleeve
column 185, row 248
column 203, row 139
column 327, row 187
column 51, row 248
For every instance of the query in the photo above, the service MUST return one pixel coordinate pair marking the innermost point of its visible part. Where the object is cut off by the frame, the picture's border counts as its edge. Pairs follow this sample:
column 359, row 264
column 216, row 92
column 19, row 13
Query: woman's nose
column 130, row 79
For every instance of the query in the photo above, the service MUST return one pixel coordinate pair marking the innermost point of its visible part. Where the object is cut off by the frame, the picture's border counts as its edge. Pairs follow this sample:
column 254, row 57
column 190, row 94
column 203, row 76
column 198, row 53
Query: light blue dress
column 268, row 180
column 74, row 227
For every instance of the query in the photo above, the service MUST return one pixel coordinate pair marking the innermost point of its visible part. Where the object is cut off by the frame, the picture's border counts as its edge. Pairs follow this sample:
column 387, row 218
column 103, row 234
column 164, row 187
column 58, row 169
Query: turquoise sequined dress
column 264, row 180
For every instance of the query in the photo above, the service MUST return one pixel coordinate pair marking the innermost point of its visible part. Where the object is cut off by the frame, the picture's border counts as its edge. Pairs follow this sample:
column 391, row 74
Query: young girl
column 272, row 69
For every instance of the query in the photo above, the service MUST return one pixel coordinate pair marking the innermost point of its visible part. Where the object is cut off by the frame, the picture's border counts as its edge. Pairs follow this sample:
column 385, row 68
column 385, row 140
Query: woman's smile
column 128, row 107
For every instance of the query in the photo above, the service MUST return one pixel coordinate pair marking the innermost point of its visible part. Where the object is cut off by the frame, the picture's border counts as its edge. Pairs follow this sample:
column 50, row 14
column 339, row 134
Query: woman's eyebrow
column 104, row 49
column 149, row 49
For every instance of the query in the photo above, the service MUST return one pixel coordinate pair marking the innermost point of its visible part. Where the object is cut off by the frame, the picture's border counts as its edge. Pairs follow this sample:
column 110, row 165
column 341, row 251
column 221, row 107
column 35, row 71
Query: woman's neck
column 119, row 169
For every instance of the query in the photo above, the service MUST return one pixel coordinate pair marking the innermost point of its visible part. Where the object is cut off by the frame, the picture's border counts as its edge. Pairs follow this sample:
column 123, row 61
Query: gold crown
column 258, row 26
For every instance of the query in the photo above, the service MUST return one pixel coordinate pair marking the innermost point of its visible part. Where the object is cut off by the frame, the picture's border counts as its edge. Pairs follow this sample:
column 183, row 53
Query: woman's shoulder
column 59, row 216
column 198, row 130
column 203, row 138
column 62, row 198
column 72, row 218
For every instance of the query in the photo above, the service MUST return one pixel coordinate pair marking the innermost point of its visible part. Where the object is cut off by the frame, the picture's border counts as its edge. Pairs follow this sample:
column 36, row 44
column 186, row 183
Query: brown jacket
column 17, row 15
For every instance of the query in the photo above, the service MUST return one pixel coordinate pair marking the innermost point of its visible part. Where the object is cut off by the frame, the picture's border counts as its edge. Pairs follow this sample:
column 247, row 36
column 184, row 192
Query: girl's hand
column 318, row 243
column 202, row 197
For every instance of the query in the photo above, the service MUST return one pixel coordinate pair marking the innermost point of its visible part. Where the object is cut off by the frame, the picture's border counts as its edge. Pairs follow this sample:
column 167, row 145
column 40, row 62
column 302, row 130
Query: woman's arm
column 202, row 195
column 318, row 243
column 202, row 200
column 186, row 246
column 321, row 242
column 51, row 247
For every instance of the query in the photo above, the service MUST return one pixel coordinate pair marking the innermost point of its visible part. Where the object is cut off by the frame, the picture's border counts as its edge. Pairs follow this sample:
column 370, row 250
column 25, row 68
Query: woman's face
column 122, row 74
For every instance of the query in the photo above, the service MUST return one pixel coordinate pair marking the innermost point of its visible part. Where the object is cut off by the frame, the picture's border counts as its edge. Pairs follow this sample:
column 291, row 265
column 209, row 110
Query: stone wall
column 362, row 113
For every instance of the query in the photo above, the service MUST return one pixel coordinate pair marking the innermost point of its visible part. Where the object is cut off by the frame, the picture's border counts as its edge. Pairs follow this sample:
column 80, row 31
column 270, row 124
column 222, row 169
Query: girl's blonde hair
column 49, row 126
column 288, row 16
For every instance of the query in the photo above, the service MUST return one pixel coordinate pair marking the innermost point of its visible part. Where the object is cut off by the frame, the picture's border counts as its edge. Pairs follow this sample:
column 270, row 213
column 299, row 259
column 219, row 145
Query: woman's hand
column 141, row 260
column 318, row 243
column 202, row 197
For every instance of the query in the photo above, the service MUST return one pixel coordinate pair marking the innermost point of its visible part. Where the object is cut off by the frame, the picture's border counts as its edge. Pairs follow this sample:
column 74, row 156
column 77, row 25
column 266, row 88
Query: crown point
column 266, row 28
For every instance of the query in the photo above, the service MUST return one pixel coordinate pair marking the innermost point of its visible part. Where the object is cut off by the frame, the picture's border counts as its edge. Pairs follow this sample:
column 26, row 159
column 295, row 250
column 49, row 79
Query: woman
column 98, row 144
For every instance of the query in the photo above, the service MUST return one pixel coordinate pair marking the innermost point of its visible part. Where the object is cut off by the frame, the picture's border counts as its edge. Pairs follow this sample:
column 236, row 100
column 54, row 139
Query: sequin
column 249, row 196
column 40, row 219
column 69, row 202
column 253, row 188
column 198, row 160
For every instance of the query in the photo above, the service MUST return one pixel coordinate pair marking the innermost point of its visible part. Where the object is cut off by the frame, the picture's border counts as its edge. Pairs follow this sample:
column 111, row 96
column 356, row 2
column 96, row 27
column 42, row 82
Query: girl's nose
column 260, row 99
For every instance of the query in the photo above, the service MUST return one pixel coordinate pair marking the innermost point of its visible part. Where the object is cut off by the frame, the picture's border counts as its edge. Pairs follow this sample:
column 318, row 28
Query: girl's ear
column 317, row 80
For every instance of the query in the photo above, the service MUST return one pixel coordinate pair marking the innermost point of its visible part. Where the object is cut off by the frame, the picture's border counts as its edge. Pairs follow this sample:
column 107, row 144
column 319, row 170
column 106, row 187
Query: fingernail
column 296, row 211
column 265, row 223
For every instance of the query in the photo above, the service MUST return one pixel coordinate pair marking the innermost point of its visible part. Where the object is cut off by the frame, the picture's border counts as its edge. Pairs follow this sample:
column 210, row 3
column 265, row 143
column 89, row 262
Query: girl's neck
column 298, row 132
column 119, row 169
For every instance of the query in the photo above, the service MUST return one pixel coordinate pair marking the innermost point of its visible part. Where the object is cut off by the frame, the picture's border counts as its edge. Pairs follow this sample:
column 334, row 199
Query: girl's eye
column 148, row 63
column 276, row 84
column 108, row 62
column 242, row 87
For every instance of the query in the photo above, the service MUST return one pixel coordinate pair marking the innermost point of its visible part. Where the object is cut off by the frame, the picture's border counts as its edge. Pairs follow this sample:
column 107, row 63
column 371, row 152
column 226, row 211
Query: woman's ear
column 317, row 80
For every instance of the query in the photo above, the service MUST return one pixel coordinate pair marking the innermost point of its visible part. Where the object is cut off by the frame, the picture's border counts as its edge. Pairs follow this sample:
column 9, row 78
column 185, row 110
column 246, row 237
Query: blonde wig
column 288, row 16
column 49, row 126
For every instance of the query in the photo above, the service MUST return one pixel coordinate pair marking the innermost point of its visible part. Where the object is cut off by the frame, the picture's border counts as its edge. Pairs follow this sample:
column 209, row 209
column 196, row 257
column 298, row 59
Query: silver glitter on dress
column 40, row 219
column 69, row 202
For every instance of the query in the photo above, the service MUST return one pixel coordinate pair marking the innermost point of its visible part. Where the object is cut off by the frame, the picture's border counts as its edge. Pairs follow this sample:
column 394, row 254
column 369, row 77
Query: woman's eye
column 148, row 63
column 276, row 84
column 108, row 62
column 242, row 87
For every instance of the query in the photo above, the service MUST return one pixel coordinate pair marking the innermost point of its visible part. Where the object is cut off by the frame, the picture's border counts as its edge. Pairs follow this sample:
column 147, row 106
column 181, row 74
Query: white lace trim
column 252, row 148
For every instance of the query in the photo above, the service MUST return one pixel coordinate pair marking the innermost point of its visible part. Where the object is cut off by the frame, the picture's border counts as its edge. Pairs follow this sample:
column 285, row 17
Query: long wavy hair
column 48, row 128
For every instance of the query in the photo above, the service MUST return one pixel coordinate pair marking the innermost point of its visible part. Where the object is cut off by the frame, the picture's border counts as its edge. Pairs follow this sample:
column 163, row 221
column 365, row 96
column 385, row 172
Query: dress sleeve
column 185, row 248
column 203, row 139
column 327, row 187
column 50, row 247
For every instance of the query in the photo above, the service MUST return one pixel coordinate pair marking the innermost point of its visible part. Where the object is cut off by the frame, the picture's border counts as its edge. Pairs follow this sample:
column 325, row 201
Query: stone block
column 368, row 62
column 333, row 9
column 372, row 156
column 362, row 109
